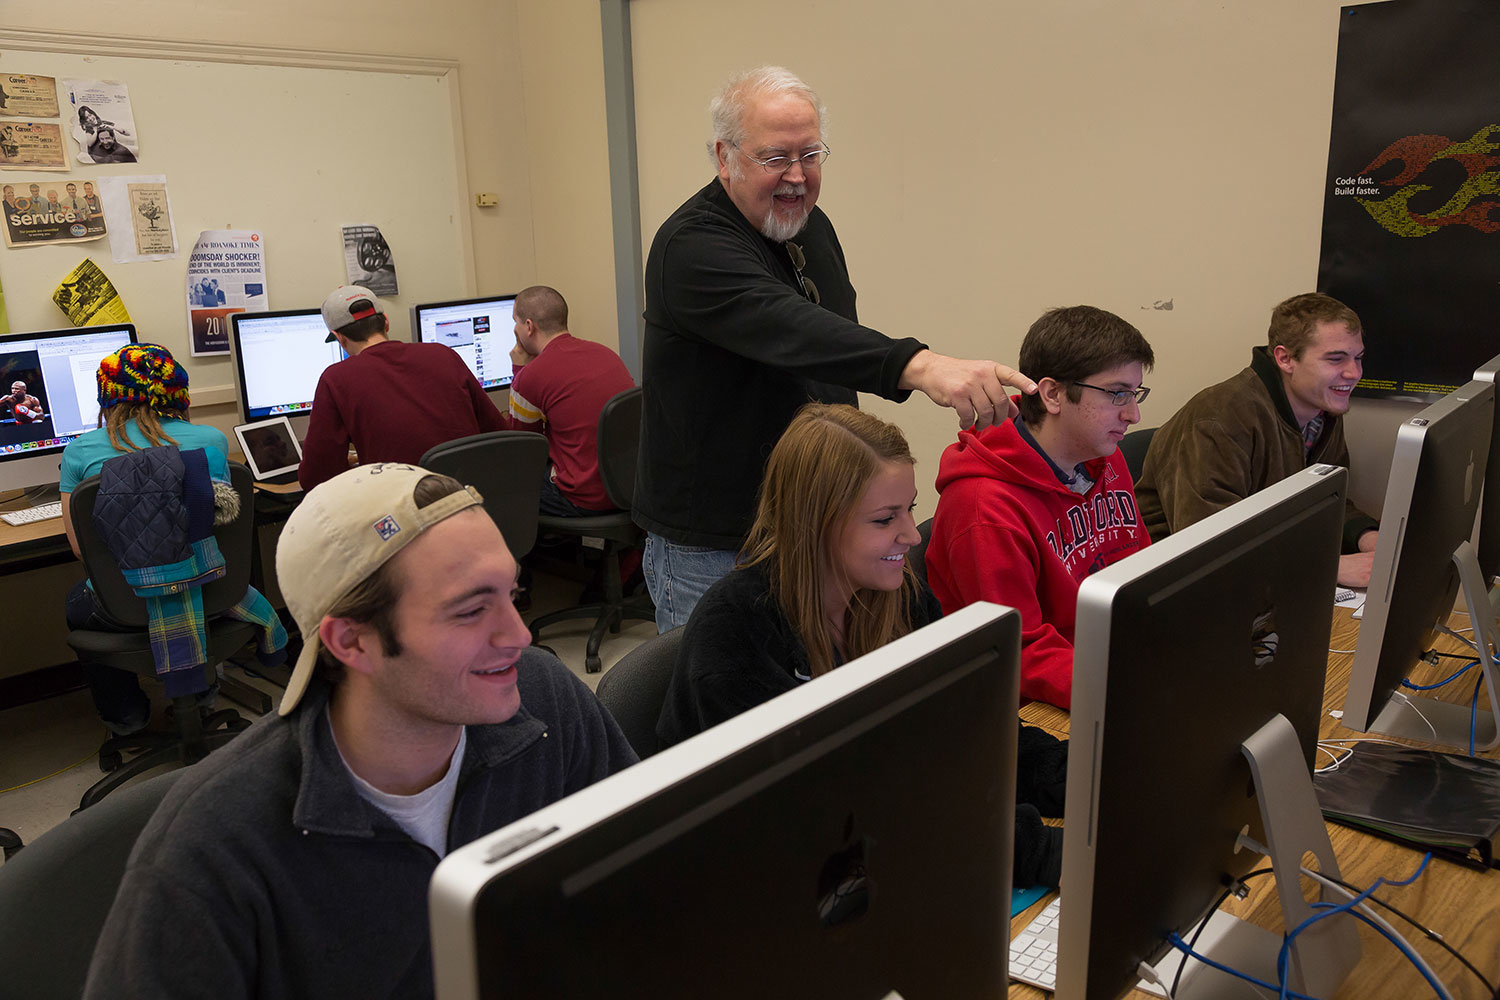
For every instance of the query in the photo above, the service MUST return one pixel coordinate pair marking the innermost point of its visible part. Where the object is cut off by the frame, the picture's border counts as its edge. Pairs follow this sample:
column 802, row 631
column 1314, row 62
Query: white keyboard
column 41, row 512
column 1033, row 953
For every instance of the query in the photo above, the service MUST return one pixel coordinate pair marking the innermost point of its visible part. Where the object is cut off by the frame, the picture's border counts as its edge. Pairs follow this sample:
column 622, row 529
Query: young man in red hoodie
column 1030, row 507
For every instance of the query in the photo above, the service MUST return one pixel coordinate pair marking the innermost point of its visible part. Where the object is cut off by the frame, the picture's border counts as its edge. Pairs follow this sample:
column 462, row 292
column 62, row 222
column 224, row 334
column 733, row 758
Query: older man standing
column 750, row 314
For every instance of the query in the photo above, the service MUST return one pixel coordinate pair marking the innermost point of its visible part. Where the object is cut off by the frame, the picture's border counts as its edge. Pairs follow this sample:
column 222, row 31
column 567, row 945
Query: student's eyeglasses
column 1119, row 397
column 799, row 261
column 810, row 160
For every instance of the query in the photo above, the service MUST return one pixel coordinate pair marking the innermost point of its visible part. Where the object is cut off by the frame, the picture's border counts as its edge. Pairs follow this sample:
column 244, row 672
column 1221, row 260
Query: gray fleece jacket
column 265, row 874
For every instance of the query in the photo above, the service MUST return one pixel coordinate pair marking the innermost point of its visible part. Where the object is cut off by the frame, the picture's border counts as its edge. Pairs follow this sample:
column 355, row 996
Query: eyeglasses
column 1119, row 397
column 799, row 261
column 810, row 160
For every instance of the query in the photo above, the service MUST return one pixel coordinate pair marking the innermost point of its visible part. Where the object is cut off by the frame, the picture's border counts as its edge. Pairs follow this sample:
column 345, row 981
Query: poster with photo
column 28, row 145
column 89, row 297
column 139, row 213
column 367, row 259
column 226, row 274
column 53, row 210
column 102, row 122
column 26, row 96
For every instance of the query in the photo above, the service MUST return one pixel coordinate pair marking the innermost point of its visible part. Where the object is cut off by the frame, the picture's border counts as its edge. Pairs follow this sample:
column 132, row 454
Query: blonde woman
column 824, row 578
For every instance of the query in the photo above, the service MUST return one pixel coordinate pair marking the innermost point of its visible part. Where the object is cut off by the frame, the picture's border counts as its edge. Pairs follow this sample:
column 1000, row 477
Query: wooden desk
column 1460, row 903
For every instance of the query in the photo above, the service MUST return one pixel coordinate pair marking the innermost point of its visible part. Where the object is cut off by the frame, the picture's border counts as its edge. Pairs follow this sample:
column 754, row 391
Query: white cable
column 1347, row 744
column 1416, row 958
column 1148, row 973
column 1413, row 706
column 1341, row 650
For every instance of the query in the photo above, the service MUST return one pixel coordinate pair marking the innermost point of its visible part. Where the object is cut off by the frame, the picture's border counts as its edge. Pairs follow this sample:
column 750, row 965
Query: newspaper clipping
column 226, row 274
column 105, row 126
column 27, row 145
column 28, row 96
column 89, row 298
column 368, row 260
column 139, row 213
column 54, row 210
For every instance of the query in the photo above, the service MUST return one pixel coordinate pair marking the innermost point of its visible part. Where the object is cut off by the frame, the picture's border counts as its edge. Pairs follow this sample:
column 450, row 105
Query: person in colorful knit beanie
column 143, row 403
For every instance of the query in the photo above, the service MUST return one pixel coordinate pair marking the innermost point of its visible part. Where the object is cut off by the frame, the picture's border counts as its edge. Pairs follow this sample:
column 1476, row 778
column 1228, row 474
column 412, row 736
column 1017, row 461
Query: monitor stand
column 1410, row 716
column 30, row 496
column 1324, row 954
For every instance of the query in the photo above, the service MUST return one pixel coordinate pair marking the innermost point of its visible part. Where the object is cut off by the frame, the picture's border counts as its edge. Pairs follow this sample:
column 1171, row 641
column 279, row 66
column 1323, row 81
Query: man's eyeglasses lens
column 810, row 160
column 1119, row 397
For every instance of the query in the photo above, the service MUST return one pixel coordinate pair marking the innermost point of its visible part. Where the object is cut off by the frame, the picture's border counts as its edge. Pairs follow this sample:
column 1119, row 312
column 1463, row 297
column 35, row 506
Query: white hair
column 727, row 109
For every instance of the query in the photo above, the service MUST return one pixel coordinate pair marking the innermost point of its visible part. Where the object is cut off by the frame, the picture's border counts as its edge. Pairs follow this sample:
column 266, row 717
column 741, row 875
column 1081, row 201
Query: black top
column 733, row 348
column 738, row 651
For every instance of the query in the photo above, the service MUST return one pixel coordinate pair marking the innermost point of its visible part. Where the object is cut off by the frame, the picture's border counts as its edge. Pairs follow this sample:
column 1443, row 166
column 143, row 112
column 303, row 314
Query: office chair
column 916, row 556
column 10, row 843
column 619, row 445
column 55, row 894
column 1133, row 448
column 130, row 650
column 506, row 467
column 634, row 689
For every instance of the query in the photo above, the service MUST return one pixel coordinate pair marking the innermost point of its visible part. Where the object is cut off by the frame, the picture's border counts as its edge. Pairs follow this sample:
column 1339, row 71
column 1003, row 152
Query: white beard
column 781, row 229
column 774, row 227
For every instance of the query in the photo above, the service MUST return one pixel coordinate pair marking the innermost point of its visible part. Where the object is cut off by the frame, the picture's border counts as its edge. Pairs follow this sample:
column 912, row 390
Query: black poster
column 1411, row 210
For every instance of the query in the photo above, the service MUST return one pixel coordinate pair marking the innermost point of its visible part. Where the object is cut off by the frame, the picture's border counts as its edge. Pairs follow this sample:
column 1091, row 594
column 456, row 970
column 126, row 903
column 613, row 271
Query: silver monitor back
column 1489, row 504
column 1437, row 471
column 1184, row 651
column 849, row 838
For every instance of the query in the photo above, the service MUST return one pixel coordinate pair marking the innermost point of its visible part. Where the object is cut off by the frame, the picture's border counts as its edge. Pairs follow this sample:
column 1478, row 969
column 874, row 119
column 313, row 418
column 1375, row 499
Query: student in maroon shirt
column 390, row 399
column 561, row 384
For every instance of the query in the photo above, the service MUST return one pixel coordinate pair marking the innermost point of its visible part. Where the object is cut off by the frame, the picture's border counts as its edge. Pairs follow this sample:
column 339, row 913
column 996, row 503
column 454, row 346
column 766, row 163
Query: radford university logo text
column 1090, row 524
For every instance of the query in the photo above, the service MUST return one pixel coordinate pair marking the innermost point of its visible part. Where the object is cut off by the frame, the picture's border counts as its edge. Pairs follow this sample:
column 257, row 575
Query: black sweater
column 732, row 350
column 739, row 651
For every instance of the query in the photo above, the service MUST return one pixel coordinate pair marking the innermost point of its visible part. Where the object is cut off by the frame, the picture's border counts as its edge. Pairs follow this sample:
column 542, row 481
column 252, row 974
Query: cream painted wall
column 992, row 160
column 566, row 145
column 481, row 34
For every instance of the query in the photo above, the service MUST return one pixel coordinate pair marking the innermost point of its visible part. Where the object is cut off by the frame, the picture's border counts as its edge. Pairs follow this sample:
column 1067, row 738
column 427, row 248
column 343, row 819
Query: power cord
column 1355, row 907
column 1235, row 888
column 1427, row 932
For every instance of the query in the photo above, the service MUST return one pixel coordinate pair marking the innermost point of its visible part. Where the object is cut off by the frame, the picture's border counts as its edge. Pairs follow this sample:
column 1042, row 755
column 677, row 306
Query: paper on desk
column 1348, row 597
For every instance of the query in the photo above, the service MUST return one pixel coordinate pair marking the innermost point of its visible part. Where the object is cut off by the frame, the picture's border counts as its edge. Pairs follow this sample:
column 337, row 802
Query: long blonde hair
column 114, row 418
column 814, row 478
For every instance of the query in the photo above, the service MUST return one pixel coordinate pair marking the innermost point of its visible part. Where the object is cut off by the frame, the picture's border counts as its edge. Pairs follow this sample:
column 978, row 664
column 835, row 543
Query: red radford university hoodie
column 1008, row 531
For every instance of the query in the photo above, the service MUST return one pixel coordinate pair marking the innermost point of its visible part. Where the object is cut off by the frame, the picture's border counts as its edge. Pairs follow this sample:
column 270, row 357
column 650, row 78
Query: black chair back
column 620, row 445
column 1133, row 447
column 56, row 892
column 634, row 689
column 506, row 467
column 916, row 556
column 236, row 540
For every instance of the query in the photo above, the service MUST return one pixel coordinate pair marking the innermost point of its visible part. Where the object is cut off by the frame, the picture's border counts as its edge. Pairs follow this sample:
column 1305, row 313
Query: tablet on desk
column 270, row 448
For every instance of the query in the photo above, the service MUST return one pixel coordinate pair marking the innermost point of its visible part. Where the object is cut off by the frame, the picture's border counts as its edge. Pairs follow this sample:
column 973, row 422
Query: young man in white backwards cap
column 295, row 861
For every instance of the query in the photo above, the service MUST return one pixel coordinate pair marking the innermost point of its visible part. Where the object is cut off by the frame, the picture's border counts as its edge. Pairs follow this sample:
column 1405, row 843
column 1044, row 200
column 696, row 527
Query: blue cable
column 1332, row 910
column 1177, row 942
column 1446, row 680
column 1401, row 946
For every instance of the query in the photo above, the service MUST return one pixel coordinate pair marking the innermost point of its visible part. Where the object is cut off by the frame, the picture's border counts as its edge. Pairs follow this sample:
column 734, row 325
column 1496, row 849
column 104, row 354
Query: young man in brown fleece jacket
column 1281, row 414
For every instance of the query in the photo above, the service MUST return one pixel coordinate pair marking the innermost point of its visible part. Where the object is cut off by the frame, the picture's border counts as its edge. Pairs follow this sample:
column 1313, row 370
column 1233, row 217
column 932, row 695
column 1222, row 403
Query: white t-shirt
column 424, row 816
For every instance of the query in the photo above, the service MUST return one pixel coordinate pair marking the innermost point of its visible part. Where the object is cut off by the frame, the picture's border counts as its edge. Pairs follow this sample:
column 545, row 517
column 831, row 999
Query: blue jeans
column 678, row 575
column 555, row 503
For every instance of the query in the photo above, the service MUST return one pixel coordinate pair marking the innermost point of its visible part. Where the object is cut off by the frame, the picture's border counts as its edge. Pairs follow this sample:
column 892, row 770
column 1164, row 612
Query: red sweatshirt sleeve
column 325, row 452
column 1001, row 565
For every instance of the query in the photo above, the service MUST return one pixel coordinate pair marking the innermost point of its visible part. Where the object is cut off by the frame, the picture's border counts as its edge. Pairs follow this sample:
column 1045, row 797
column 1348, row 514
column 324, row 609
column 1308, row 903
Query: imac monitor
column 1422, row 559
column 1192, row 650
column 279, row 357
column 1489, row 510
column 850, row 838
column 482, row 331
column 58, row 400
